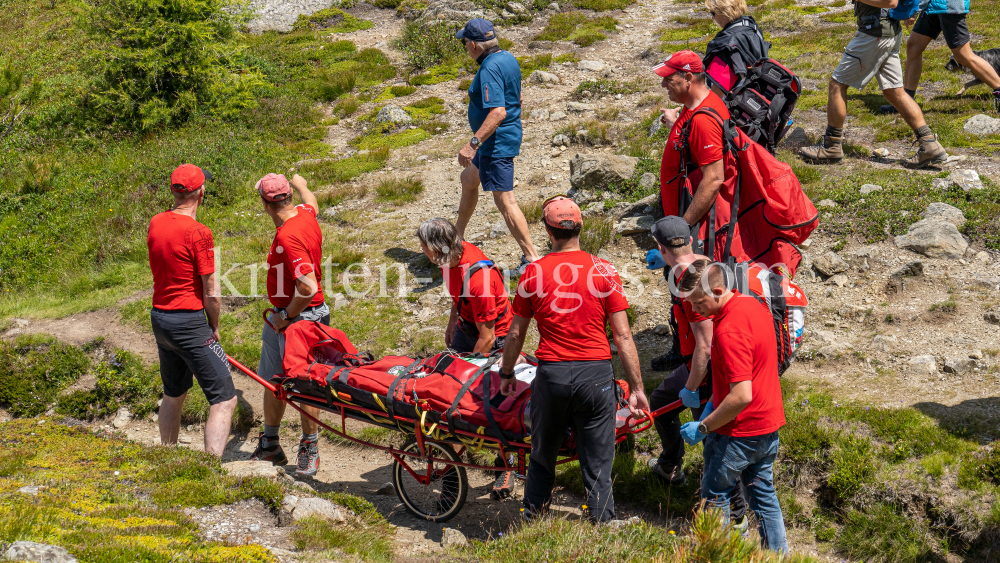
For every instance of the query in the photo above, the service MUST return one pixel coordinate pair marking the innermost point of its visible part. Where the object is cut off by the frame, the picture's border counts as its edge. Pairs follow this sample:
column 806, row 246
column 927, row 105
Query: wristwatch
column 702, row 428
column 475, row 142
column 506, row 375
column 284, row 315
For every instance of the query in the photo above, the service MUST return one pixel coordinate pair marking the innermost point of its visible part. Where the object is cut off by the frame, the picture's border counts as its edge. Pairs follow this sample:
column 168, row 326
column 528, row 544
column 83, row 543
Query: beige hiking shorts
column 868, row 57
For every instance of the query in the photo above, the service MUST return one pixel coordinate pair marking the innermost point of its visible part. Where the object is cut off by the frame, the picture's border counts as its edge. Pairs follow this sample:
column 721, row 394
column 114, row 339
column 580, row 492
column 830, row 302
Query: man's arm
column 305, row 288
column 712, row 175
column 702, row 331
column 449, row 332
column 487, row 335
column 740, row 395
column 512, row 349
column 493, row 120
column 212, row 296
column 630, row 360
column 299, row 183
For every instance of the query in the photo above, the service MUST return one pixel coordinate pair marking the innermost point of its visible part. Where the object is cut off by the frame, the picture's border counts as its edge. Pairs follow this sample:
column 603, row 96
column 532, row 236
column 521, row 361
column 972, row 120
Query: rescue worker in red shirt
column 481, row 312
column 742, row 429
column 711, row 178
column 293, row 287
column 185, row 292
column 572, row 295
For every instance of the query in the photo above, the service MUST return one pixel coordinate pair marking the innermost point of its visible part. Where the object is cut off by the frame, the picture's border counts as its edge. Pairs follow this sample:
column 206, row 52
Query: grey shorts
column 272, row 348
column 868, row 57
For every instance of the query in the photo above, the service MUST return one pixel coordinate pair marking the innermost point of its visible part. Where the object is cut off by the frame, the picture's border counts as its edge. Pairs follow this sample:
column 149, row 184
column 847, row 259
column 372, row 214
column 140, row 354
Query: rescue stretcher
column 429, row 471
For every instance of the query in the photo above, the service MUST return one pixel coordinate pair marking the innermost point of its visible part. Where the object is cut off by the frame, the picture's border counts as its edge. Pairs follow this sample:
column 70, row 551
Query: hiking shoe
column 675, row 476
column 503, row 486
column 996, row 100
column 887, row 109
column 308, row 458
column 519, row 271
column 743, row 526
column 930, row 152
column 268, row 449
column 830, row 152
column 667, row 362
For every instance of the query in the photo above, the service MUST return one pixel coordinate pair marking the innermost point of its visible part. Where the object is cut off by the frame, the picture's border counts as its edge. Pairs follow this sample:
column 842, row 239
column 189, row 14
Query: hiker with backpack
column 873, row 53
column 735, row 49
column 480, row 313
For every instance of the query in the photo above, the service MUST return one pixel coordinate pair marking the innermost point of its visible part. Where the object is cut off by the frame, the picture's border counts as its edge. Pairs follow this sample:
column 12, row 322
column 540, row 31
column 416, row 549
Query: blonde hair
column 730, row 9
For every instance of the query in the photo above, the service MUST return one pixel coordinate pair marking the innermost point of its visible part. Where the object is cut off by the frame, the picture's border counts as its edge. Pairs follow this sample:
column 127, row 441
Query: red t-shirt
column 486, row 295
column 706, row 146
column 744, row 349
column 685, row 317
column 296, row 251
column 571, row 296
column 180, row 252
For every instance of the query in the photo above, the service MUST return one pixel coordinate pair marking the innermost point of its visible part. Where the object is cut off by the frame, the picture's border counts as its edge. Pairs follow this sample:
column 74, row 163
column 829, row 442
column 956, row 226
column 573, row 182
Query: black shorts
column 954, row 26
column 187, row 349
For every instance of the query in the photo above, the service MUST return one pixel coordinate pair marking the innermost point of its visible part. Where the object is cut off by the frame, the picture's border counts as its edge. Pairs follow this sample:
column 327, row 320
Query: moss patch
column 332, row 19
column 578, row 28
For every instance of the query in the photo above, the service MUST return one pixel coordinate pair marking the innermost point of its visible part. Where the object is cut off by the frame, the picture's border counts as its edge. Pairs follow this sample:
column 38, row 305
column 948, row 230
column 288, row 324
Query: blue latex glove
column 654, row 260
column 709, row 407
column 690, row 433
column 691, row 399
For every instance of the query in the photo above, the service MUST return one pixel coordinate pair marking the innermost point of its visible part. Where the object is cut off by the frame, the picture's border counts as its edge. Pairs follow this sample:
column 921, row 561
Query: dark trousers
column 581, row 396
column 668, row 426
column 463, row 340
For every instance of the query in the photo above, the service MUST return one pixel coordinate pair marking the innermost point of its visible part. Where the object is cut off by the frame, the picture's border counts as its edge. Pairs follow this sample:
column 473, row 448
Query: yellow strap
column 379, row 401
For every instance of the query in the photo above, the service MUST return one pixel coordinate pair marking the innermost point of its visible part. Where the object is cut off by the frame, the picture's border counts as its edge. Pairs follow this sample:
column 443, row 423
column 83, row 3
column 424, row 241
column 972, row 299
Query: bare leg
column 980, row 68
column 170, row 419
column 308, row 426
column 220, row 418
column 274, row 409
column 836, row 104
column 507, row 204
column 470, row 198
column 915, row 46
column 907, row 107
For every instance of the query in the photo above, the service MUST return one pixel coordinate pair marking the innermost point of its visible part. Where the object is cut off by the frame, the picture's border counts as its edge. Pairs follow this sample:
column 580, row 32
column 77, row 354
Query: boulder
column 31, row 490
column 649, row 181
column 579, row 106
column 452, row 537
column 249, row 468
column 393, row 115
column 599, row 170
column 540, row 45
column 897, row 283
column 869, row 188
column 959, row 365
column 884, row 342
column 557, row 115
column 596, row 66
column 634, row 225
column 500, row 229
column 583, row 197
column 661, row 330
column 827, row 203
column 839, row 280
column 454, row 12
column 983, row 256
column 933, row 238
column 944, row 212
column 315, row 506
column 830, row 346
column 542, row 77
column 122, row 418
column 560, row 140
column 965, row 179
column 37, row 552
column 649, row 205
column 386, row 489
column 982, row 124
column 542, row 114
column 654, row 127
column 922, row 365
column 515, row 7
column 992, row 318
column 829, row 264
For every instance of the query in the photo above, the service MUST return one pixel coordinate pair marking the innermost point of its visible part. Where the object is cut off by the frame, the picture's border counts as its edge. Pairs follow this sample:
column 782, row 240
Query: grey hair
column 188, row 196
column 488, row 44
column 442, row 238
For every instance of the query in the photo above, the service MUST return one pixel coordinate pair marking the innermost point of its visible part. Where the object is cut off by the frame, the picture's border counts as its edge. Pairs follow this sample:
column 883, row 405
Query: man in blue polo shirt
column 495, row 119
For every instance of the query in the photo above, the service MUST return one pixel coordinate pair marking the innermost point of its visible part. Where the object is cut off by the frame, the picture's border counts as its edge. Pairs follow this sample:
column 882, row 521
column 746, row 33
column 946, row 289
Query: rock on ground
column 542, row 77
column 922, row 365
column 253, row 469
column 634, row 225
column 500, row 229
column 37, row 553
column 393, row 115
column 579, row 106
column 965, row 179
column 959, row 365
column 560, row 141
column 944, row 212
column 827, row 203
column 596, row 66
column 982, row 124
column 654, row 127
column 281, row 15
column 451, row 537
column 933, row 238
column 648, row 181
column 869, row 188
column 313, row 506
column 598, row 170
column 829, row 264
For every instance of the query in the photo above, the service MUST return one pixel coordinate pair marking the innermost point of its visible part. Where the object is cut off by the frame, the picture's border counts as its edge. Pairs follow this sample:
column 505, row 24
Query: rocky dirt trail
column 866, row 338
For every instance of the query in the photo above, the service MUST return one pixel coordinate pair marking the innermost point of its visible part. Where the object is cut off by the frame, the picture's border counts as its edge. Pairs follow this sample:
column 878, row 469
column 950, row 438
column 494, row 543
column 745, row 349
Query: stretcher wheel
column 443, row 496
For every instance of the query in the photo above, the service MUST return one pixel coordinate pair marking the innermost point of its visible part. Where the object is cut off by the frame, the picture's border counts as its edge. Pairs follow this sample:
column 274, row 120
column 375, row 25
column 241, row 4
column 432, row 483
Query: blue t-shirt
column 497, row 84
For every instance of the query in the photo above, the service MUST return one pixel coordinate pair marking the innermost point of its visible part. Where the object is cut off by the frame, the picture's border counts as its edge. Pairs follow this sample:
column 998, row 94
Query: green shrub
column 567, row 58
column 854, row 465
column 398, row 191
column 122, row 380
column 331, row 85
column 346, row 106
column 597, row 232
column 160, row 62
column 881, row 535
column 532, row 63
column 340, row 171
column 576, row 27
column 15, row 97
column 606, row 87
column 602, row 5
column 390, row 4
column 400, row 91
column 430, row 45
column 337, row 21
column 32, row 375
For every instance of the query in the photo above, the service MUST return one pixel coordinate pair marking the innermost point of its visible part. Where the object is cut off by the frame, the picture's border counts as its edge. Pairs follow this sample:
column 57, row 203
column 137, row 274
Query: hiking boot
column 268, row 449
column 930, row 152
column 668, row 361
column 675, row 476
column 996, row 100
column 519, row 271
column 503, row 486
column 830, row 152
column 308, row 458
column 743, row 526
column 887, row 109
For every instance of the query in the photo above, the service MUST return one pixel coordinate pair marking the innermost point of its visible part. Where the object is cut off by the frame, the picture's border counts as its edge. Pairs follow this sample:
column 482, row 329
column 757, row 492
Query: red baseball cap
column 681, row 61
column 274, row 187
column 561, row 208
column 187, row 178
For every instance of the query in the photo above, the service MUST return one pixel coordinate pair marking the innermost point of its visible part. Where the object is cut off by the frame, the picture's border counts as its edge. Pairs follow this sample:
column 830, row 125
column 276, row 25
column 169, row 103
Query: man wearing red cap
column 293, row 287
column 710, row 179
column 185, row 291
column 572, row 295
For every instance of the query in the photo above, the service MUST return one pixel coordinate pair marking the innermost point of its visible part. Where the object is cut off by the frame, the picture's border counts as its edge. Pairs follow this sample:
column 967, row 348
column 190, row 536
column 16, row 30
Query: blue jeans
column 752, row 459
